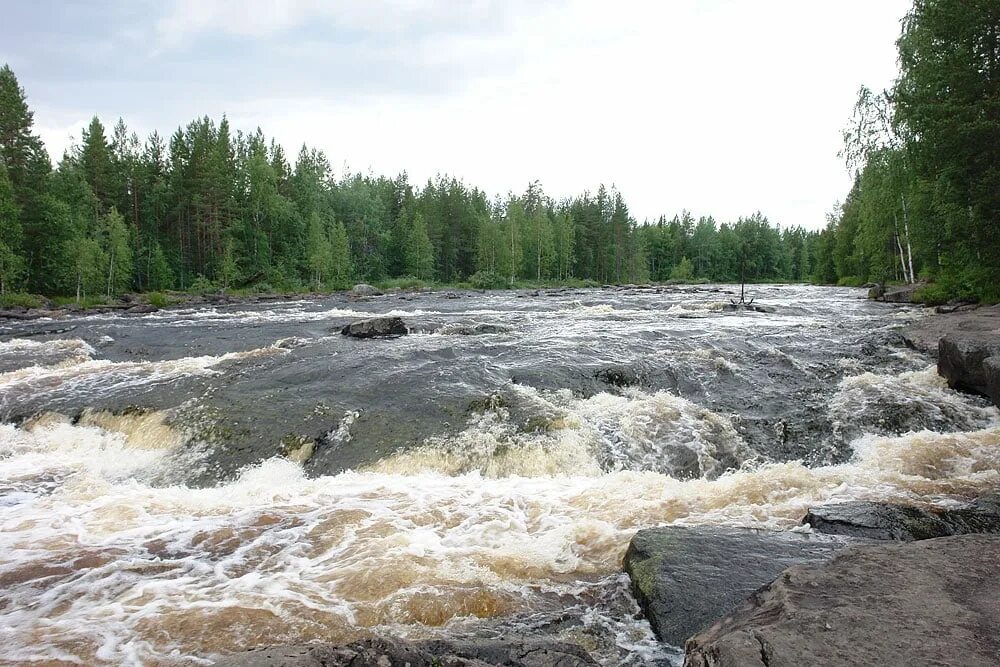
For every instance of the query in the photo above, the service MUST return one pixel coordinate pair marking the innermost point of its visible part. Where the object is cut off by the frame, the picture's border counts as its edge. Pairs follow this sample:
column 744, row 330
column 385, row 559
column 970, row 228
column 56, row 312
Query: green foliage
column 683, row 271
column 21, row 300
column 850, row 281
column 933, row 294
column 202, row 285
column 487, row 280
column 158, row 299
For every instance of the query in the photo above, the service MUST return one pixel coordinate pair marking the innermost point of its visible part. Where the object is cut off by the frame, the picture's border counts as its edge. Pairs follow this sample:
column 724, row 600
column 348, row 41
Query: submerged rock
column 435, row 653
column 376, row 327
column 686, row 578
column 481, row 329
column 747, row 307
column 935, row 602
column 971, row 362
column 618, row 376
column 889, row 521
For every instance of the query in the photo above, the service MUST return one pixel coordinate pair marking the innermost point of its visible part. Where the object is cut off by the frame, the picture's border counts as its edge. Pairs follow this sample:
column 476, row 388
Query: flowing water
column 180, row 485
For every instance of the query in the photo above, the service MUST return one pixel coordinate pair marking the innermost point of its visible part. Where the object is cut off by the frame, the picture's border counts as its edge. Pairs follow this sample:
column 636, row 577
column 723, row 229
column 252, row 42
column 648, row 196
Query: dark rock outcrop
column 686, row 578
column 435, row 653
column 971, row 362
column 376, row 327
column 618, row 376
column 934, row 602
column 889, row 521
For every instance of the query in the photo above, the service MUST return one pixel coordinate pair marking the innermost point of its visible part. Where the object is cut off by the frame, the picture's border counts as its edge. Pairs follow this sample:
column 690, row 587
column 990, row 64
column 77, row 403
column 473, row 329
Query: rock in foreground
column 889, row 521
column 686, row 578
column 376, row 327
column 971, row 362
column 935, row 602
column 436, row 653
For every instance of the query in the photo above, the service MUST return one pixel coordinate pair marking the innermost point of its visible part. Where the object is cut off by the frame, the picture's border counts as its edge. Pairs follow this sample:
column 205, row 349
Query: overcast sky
column 721, row 107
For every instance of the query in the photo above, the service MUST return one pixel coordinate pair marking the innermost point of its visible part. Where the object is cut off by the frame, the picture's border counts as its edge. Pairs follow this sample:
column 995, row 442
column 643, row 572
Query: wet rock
column 686, row 578
column 971, row 362
column 875, row 290
column 618, row 376
column 364, row 289
column 747, row 307
column 935, row 602
column 475, row 330
column 376, row 327
column 141, row 309
column 890, row 521
column 435, row 653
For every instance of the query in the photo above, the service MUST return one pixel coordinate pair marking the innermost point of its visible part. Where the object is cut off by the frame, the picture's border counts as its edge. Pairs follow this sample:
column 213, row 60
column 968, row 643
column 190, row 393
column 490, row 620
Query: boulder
column 383, row 652
column 686, row 578
column 890, row 521
column 376, row 327
column 971, row 362
column 364, row 289
column 934, row 602
column 900, row 294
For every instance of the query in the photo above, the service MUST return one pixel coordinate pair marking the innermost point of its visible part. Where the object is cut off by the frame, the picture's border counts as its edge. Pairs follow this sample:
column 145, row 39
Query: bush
column 850, row 281
column 202, row 285
column 158, row 299
column 21, row 300
column 933, row 294
column 487, row 280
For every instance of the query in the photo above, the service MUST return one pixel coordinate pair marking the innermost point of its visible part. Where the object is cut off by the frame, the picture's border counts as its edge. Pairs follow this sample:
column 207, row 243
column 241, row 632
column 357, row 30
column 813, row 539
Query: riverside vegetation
column 210, row 209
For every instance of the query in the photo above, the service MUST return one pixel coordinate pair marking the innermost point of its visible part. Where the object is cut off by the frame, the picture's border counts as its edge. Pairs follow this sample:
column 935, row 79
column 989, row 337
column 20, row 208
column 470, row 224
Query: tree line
column 210, row 208
column 925, row 203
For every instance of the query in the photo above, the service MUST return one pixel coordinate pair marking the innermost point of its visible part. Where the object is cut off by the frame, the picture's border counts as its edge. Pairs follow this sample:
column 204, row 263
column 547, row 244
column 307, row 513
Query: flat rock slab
column 924, row 334
column 913, row 604
column 686, row 578
column 890, row 521
column 385, row 652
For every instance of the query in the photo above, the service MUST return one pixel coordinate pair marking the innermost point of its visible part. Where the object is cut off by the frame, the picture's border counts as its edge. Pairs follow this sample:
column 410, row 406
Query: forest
column 214, row 209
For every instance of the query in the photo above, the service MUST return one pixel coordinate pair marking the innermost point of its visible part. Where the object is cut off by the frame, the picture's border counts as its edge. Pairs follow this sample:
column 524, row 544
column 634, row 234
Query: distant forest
column 213, row 209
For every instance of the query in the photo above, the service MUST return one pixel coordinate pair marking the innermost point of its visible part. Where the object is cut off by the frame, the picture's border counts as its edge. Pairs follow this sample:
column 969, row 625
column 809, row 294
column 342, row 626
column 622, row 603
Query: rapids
column 179, row 485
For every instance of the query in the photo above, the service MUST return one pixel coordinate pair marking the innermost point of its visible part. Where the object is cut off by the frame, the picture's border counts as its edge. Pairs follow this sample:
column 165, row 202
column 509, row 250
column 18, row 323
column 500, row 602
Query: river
column 191, row 482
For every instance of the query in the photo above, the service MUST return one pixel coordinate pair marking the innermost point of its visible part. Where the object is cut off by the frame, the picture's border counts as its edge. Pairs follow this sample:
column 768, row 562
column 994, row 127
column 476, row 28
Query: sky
column 719, row 107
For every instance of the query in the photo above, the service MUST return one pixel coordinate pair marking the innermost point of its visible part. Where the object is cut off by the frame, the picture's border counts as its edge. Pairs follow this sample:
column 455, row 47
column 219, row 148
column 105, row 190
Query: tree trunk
column 906, row 230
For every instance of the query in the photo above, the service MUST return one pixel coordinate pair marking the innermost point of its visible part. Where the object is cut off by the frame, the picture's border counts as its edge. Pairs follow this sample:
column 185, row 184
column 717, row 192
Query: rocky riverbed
column 185, row 485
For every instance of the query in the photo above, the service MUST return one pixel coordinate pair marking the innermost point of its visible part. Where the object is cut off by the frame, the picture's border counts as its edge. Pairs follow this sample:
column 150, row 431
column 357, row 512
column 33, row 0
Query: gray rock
column 383, row 652
column 924, row 334
column 971, row 362
column 686, row 578
column 889, row 521
column 364, row 289
column 376, row 327
column 141, row 309
column 935, row 602
column 618, row 376
column 474, row 329
column 903, row 294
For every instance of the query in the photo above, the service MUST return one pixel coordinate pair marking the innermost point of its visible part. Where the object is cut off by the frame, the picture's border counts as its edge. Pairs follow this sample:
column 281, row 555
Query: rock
column 475, row 330
column 875, row 291
column 744, row 307
column 924, row 334
column 971, row 362
column 686, row 578
column 889, row 521
column 141, row 308
column 935, row 602
column 376, row 327
column 618, row 376
column 901, row 294
column 364, row 289
column 380, row 652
